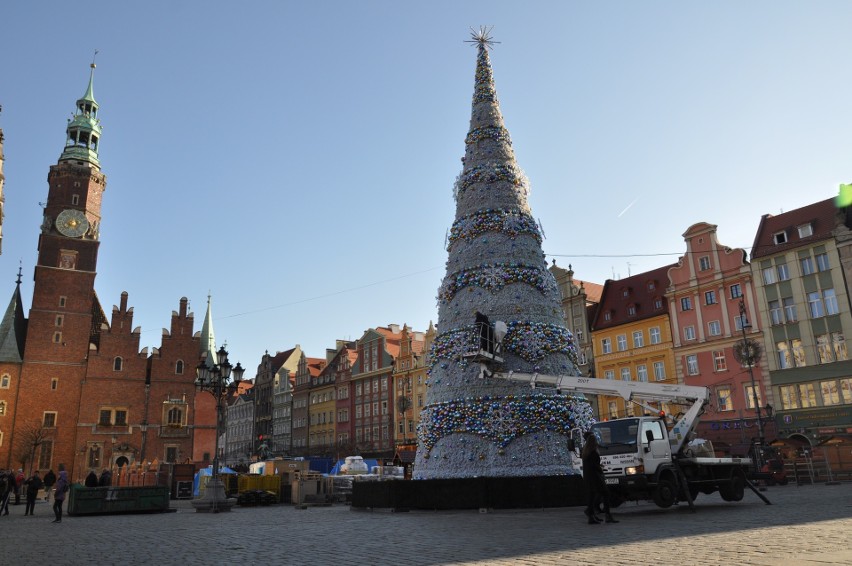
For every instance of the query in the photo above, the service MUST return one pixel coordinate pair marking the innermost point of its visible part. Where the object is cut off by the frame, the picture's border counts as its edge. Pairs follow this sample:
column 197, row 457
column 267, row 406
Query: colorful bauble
column 510, row 222
column 502, row 420
column 496, row 133
column 495, row 277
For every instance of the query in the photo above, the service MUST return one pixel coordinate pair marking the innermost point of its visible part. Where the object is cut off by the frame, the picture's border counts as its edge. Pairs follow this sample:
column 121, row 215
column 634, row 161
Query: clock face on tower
column 72, row 223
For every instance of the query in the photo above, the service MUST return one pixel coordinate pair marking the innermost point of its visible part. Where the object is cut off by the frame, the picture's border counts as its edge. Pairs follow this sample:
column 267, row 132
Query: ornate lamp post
column 748, row 353
column 216, row 380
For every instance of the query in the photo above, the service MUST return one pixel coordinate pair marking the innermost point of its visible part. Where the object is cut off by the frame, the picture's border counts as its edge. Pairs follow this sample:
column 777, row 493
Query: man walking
column 33, row 485
column 49, row 480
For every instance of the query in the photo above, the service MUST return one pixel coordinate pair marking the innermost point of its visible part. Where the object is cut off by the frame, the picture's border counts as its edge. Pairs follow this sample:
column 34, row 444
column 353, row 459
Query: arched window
column 2, row 408
column 179, row 367
column 117, row 363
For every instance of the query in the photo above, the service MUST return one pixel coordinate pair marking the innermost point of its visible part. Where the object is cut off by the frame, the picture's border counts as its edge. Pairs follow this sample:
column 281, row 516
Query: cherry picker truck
column 643, row 457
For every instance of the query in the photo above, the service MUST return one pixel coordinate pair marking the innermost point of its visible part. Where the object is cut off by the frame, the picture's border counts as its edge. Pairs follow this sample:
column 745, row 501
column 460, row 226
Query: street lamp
column 748, row 353
column 216, row 380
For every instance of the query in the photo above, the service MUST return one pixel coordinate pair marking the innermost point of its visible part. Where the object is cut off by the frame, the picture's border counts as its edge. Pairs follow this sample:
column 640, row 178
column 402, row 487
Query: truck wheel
column 666, row 493
column 734, row 489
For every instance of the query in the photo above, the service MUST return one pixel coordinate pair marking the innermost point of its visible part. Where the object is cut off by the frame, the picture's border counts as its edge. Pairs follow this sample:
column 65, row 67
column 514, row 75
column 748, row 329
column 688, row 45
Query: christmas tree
column 488, row 427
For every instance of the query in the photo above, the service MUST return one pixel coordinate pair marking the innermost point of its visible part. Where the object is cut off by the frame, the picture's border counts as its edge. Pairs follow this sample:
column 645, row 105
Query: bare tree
column 32, row 434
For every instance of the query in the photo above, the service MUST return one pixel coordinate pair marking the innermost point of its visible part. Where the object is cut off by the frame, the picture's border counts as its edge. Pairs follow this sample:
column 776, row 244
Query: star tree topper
column 482, row 37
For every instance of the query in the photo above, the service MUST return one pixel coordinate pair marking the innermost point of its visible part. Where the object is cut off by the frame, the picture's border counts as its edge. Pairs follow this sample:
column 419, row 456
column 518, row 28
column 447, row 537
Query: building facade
column 801, row 292
column 409, row 390
column 632, row 338
column 713, row 313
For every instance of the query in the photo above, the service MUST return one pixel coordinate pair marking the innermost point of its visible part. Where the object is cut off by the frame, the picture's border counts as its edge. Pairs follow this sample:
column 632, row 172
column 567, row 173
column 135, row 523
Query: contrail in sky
column 620, row 214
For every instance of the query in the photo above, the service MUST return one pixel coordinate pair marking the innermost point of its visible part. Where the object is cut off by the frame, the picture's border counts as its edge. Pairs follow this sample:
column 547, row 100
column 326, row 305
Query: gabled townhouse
column 579, row 299
column 342, row 362
column 712, row 311
column 632, row 337
column 264, row 383
column 372, row 380
column 306, row 369
column 282, row 412
column 322, row 409
column 803, row 300
column 239, row 435
column 409, row 391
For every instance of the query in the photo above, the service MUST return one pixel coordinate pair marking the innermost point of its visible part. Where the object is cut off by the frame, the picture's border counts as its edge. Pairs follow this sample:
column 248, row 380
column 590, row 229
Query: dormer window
column 652, row 285
column 608, row 315
column 779, row 238
column 625, row 292
column 806, row 230
column 631, row 310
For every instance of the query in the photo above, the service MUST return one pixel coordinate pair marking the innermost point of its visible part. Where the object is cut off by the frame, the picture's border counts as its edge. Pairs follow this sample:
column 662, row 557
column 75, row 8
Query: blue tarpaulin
column 208, row 471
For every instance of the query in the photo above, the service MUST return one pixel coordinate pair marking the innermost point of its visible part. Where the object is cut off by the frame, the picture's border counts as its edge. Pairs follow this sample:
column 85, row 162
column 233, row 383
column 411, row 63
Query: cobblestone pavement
column 806, row 525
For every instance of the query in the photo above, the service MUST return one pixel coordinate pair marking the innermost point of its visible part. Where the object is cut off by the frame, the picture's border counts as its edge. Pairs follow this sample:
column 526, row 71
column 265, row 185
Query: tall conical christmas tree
column 474, row 427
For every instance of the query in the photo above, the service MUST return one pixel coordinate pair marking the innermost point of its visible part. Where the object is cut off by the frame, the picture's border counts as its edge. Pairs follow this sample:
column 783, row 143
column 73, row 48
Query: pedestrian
column 106, row 478
column 6, row 480
column 61, row 491
column 33, row 485
column 92, row 479
column 49, row 480
column 593, row 475
column 19, row 484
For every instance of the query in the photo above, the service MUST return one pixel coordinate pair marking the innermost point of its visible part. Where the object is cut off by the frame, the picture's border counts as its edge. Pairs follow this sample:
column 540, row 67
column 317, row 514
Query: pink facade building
column 711, row 297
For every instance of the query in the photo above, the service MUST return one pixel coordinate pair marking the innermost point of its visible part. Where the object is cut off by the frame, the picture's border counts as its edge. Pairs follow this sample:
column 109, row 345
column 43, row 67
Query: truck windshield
column 617, row 437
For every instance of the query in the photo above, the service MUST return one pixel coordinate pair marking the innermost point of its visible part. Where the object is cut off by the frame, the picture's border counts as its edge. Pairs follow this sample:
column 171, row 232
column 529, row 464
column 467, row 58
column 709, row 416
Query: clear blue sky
column 296, row 159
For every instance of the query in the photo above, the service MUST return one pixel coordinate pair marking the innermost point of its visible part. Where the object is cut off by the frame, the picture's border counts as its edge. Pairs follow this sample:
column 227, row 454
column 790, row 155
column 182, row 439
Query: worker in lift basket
column 593, row 475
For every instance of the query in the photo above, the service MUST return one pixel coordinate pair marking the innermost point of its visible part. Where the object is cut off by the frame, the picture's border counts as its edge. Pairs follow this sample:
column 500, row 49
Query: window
column 822, row 262
column 420, row 400
column 709, row 297
column 686, row 303
column 622, row 342
column 608, row 315
column 94, row 456
column 117, row 363
column 807, row 265
column 815, row 305
column 738, row 322
column 830, row 300
column 171, row 454
column 638, row 339
column 830, row 393
column 57, row 337
column 824, row 349
column 749, row 394
column 714, row 328
column 775, row 314
column 807, row 394
column 612, row 409
column 75, row 199
column 692, row 364
column 174, row 415
column 846, row 390
column 704, row 263
column 736, row 291
column 805, row 230
column 631, row 310
column 62, row 301
column 59, row 320
column 790, row 354
column 375, row 408
column 642, row 372
column 723, row 398
column 105, row 418
column 357, row 411
column 658, row 304
column 375, row 385
column 5, row 380
column 2, row 408
column 385, row 407
column 789, row 309
column 45, row 455
column 789, row 399
column 839, row 343
column 358, row 388
column 768, row 276
column 659, row 371
column 49, row 419
column 783, row 272
column 120, row 417
column 689, row 333
column 719, row 363
column 609, row 374
column 780, row 238
column 625, row 374
column 654, row 332
column 179, row 367
column 606, row 346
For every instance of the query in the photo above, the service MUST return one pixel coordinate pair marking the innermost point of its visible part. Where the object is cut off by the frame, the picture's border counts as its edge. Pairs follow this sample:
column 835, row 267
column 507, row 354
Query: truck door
column 656, row 449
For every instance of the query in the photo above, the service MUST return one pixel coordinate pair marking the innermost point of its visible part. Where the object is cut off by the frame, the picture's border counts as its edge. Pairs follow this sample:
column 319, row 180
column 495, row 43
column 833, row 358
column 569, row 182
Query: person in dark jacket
column 92, row 479
column 49, row 480
column 6, row 481
column 62, row 487
column 19, row 484
column 33, row 484
column 105, row 479
column 594, row 477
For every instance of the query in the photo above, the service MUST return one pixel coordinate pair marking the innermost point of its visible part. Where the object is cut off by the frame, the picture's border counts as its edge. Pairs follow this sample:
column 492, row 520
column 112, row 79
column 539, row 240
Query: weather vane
column 93, row 59
column 482, row 37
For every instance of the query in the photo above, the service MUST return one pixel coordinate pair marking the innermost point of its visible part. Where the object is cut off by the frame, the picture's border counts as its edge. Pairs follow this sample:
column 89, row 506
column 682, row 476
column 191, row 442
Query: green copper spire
column 83, row 134
column 208, row 340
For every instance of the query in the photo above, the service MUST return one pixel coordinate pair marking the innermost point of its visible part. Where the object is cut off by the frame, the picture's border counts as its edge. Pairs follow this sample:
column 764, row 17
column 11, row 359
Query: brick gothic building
column 74, row 386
